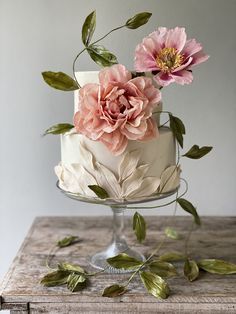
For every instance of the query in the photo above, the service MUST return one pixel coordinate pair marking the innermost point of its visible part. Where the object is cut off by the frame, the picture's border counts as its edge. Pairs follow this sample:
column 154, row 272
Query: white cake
column 139, row 171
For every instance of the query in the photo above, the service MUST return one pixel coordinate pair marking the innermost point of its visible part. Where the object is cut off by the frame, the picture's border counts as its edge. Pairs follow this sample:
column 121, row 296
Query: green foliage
column 60, row 80
column 139, row 227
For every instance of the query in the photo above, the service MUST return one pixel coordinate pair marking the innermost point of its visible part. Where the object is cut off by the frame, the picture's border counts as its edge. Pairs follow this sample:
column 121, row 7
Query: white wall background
column 38, row 35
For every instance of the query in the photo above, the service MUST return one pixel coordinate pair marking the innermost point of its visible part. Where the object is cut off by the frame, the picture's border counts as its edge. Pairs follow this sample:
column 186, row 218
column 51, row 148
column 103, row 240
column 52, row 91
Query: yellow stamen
column 169, row 59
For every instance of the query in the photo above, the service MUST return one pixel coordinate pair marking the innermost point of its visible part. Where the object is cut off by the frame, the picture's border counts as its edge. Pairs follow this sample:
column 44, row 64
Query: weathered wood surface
column 21, row 291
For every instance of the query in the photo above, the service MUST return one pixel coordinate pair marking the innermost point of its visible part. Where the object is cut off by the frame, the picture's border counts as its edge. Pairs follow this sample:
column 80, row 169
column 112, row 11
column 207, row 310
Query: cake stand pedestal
column 118, row 243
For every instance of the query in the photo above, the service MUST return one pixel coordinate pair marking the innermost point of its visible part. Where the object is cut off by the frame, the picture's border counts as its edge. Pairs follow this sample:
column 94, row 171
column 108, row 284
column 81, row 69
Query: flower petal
column 191, row 47
column 182, row 77
column 176, row 38
column 116, row 74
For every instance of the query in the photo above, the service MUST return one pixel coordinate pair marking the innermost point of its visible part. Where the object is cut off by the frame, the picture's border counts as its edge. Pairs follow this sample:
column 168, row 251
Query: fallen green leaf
column 67, row 241
column 113, row 291
column 162, row 269
column 191, row 270
column 124, row 261
column 196, row 152
column 217, row 266
column 155, row 285
column 188, row 207
column 71, row 268
column 139, row 227
column 99, row 191
column 88, row 28
column 138, row 20
column 60, row 80
column 60, row 128
column 172, row 257
column 171, row 233
column 76, row 282
column 56, row 278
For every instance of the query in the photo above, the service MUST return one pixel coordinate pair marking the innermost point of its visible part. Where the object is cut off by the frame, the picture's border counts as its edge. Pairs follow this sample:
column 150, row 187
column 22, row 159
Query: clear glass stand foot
column 117, row 246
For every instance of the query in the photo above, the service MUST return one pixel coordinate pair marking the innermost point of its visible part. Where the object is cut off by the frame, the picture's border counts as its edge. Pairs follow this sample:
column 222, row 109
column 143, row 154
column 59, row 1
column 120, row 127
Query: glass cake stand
column 118, row 243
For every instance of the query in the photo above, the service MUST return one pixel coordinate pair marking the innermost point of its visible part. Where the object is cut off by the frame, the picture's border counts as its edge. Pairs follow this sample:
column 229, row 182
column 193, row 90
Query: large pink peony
column 170, row 55
column 118, row 109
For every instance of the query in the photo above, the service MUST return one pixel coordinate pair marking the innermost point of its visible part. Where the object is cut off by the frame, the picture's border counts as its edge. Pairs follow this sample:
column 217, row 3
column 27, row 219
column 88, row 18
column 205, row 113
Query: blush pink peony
column 169, row 55
column 117, row 109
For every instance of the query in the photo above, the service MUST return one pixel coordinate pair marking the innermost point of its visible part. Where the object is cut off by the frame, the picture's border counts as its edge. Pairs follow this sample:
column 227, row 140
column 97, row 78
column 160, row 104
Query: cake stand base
column 117, row 246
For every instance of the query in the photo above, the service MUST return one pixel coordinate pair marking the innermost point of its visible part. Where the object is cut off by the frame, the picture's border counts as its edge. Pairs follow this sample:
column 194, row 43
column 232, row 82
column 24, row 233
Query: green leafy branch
column 99, row 54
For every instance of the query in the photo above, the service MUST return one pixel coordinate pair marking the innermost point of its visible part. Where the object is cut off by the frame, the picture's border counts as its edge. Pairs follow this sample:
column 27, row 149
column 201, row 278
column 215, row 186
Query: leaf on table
column 191, row 270
column 217, row 266
column 124, row 261
column 162, row 269
column 155, row 285
column 172, row 257
column 188, row 207
column 171, row 233
column 113, row 291
column 55, row 278
column 76, row 282
column 71, row 268
column 67, row 241
column 139, row 227
column 60, row 80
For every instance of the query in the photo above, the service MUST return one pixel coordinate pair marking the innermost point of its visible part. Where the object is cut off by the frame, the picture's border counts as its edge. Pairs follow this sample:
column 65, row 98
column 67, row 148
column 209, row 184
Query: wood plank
column 215, row 239
column 144, row 308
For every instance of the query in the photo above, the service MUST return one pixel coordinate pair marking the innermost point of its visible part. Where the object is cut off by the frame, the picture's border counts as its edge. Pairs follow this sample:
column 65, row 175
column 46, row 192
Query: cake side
column 144, row 168
column 158, row 153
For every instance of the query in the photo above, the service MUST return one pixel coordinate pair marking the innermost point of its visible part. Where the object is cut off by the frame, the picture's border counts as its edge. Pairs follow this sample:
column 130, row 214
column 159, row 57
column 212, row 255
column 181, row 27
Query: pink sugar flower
column 117, row 109
column 169, row 55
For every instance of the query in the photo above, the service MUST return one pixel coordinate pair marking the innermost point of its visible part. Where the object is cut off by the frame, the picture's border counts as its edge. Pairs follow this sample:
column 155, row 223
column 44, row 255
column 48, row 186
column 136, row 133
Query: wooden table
column 21, row 292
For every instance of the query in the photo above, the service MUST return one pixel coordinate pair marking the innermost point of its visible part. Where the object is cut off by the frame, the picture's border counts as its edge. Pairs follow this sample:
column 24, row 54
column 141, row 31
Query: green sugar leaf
column 138, row 20
column 99, row 191
column 101, row 55
column 71, row 268
column 188, row 207
column 76, row 282
column 217, row 266
column 113, row 291
column 177, row 128
column 124, row 261
column 171, row 233
column 191, row 270
column 88, row 28
column 196, row 152
column 67, row 241
column 172, row 257
column 162, row 269
column 155, row 285
column 139, row 227
column 56, row 278
column 60, row 80
column 60, row 128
